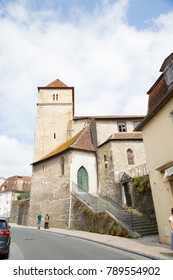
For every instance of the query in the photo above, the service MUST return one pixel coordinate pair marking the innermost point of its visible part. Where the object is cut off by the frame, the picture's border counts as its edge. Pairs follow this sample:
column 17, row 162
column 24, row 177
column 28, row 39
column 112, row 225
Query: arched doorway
column 82, row 179
column 127, row 196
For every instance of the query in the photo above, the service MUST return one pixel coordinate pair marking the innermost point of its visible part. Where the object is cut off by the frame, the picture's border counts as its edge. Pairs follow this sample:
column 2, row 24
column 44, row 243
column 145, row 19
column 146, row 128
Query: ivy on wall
column 86, row 219
column 140, row 184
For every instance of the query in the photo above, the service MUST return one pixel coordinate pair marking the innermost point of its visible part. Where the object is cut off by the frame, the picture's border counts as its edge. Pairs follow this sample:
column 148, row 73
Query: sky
column 109, row 50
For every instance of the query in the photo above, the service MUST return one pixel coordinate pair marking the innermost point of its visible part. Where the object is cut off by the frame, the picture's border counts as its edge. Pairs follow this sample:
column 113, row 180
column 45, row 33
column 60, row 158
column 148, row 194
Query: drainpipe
column 69, row 217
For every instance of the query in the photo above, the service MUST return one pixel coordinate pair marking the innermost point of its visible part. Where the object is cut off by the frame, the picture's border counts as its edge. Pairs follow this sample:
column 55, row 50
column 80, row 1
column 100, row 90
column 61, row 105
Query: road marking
column 15, row 252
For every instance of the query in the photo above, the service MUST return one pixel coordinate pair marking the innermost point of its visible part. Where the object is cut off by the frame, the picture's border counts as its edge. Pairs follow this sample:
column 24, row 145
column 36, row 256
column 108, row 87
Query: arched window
column 130, row 157
column 82, row 179
column 62, row 162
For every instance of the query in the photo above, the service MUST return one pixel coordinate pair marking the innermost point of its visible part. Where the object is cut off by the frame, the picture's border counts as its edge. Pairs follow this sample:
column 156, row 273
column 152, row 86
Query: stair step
column 130, row 216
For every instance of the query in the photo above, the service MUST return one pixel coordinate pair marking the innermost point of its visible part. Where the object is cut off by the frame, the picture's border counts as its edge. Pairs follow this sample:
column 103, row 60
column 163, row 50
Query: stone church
column 79, row 154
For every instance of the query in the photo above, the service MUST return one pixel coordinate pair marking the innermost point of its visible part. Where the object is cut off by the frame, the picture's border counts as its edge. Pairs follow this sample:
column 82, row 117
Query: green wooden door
column 82, row 179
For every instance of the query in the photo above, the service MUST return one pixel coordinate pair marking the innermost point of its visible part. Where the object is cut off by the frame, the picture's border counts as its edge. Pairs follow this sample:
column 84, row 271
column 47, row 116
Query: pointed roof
column 57, row 83
column 81, row 141
column 125, row 177
column 124, row 136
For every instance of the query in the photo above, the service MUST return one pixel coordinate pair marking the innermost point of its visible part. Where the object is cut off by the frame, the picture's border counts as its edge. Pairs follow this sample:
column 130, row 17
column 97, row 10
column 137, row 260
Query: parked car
column 5, row 238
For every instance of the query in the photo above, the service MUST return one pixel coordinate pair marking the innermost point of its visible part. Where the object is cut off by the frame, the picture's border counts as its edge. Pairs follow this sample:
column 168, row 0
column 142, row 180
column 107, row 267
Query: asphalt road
column 33, row 244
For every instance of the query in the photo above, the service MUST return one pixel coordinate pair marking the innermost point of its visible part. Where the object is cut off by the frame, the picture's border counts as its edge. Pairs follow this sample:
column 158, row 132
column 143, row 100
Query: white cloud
column 110, row 64
column 15, row 158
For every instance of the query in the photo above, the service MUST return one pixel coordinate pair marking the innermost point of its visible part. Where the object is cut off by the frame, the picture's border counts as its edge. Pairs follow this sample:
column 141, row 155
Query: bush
column 140, row 184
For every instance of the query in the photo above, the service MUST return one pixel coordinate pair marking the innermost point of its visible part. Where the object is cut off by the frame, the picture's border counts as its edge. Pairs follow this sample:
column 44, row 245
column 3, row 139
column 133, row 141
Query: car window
column 2, row 224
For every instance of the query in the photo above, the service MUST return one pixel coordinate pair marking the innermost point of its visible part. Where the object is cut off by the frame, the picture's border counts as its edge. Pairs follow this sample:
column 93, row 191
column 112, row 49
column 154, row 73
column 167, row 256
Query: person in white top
column 171, row 226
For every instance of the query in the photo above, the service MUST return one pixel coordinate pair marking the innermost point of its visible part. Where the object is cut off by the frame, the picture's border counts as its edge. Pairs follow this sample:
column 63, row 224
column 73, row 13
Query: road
column 32, row 244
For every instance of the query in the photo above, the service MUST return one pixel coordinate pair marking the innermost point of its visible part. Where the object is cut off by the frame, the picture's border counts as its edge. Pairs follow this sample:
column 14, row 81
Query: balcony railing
column 140, row 170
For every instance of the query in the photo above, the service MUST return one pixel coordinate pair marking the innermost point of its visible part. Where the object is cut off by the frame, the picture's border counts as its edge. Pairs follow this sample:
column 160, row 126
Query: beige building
column 81, row 153
column 157, row 130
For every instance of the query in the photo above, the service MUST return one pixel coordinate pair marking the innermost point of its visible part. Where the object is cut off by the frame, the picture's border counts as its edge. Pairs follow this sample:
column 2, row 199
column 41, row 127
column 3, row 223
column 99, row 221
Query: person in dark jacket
column 46, row 221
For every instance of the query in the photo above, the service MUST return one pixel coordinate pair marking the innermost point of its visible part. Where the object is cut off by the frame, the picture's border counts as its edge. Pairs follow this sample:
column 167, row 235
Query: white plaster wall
column 5, row 203
column 88, row 161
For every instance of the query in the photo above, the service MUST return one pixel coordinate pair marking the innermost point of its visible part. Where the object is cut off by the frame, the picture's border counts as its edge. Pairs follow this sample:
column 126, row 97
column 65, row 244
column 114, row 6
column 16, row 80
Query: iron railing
column 141, row 170
column 105, row 204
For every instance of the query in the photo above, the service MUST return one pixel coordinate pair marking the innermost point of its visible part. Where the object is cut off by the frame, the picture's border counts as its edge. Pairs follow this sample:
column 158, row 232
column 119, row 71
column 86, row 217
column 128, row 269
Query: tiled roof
column 81, row 141
column 57, row 83
column 109, row 117
column 123, row 136
column 12, row 183
column 159, row 95
column 126, row 136
column 84, row 141
column 156, row 92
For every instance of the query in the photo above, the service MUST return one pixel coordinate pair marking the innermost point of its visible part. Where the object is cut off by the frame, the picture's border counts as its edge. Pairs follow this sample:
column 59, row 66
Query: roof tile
column 56, row 83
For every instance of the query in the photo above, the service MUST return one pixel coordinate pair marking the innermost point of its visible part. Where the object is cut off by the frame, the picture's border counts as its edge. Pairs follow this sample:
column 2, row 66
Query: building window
column 54, row 135
column 122, row 127
column 106, row 161
column 130, row 157
column 55, row 97
column 62, row 162
column 169, row 75
column 4, row 188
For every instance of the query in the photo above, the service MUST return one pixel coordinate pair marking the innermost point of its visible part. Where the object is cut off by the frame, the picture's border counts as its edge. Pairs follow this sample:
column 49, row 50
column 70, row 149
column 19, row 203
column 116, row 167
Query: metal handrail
column 140, row 170
column 104, row 204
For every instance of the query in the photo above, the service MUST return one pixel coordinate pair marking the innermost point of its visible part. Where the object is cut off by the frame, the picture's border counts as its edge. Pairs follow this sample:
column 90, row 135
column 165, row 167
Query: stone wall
column 14, row 211
column 23, row 212
column 83, row 218
column 53, row 117
column 116, row 154
column 107, row 184
column 50, row 192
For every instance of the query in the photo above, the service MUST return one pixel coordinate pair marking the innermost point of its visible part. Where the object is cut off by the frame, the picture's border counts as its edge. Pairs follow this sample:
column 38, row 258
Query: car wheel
column 6, row 255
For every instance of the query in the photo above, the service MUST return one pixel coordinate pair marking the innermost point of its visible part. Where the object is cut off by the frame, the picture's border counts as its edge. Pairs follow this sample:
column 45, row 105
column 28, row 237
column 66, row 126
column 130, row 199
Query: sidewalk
column 147, row 246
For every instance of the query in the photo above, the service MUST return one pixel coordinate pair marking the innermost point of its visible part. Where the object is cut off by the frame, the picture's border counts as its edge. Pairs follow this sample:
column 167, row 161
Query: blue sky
column 142, row 13
column 109, row 50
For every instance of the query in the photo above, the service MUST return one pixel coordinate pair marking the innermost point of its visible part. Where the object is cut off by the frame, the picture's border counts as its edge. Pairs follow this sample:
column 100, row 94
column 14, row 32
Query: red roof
column 57, row 83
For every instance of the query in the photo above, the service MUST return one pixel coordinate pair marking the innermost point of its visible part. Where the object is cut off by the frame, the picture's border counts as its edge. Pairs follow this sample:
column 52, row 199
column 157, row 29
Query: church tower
column 55, row 110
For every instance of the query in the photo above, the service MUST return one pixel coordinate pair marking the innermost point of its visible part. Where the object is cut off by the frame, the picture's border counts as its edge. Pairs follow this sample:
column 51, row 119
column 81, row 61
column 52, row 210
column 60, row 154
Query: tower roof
column 57, row 83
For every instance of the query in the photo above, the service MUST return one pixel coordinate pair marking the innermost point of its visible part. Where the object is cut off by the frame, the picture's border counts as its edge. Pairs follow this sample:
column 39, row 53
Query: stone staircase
column 135, row 220
column 130, row 218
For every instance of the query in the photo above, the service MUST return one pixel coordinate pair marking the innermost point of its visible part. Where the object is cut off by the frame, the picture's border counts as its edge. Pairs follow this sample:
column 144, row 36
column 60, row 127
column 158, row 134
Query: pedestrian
column 171, row 226
column 39, row 217
column 46, row 221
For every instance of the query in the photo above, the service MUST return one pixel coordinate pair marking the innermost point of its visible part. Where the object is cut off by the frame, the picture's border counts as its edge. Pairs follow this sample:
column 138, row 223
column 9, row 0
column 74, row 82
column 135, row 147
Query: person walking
column 171, row 226
column 39, row 217
column 46, row 221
